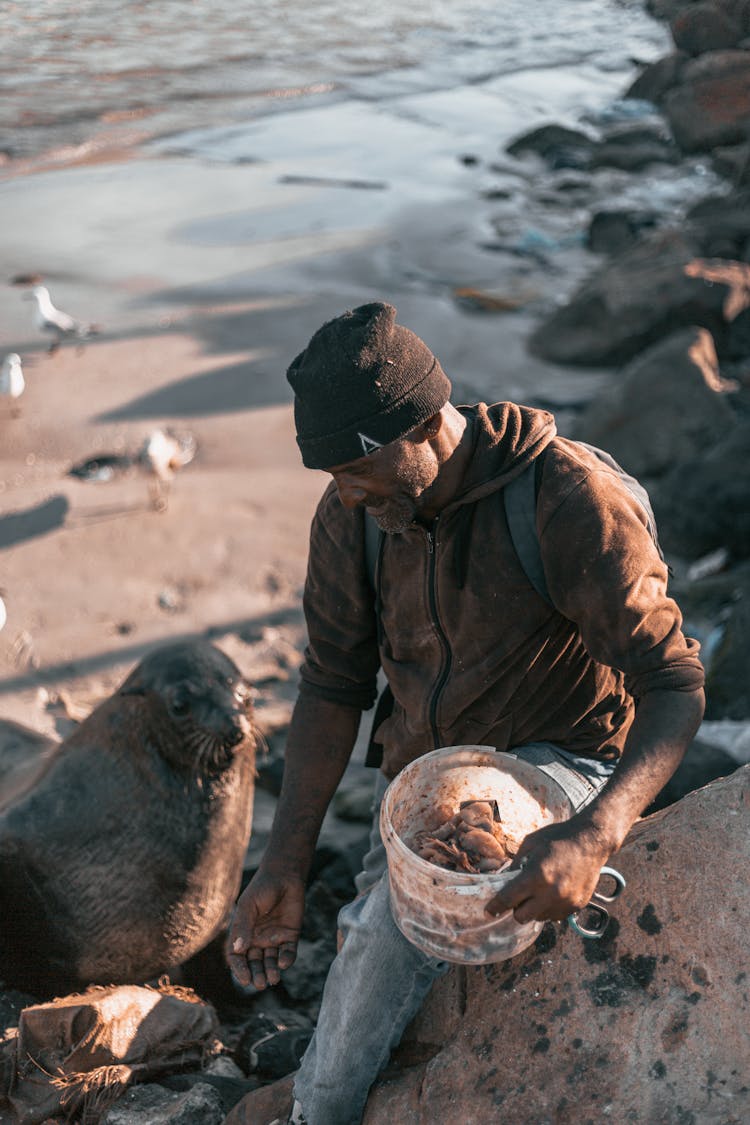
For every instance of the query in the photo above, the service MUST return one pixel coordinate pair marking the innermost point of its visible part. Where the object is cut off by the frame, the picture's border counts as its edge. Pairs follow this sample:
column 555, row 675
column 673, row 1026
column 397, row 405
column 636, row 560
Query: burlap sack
column 73, row 1057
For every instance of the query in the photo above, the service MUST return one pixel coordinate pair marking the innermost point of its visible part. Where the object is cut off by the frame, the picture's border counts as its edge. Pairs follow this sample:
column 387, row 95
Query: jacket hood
column 506, row 438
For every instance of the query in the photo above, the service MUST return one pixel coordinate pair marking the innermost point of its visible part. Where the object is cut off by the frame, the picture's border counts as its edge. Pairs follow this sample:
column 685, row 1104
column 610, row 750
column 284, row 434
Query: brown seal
column 124, row 857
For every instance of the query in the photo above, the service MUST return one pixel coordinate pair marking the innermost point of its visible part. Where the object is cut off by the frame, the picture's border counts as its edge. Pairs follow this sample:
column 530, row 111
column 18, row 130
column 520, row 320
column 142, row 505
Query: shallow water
column 80, row 75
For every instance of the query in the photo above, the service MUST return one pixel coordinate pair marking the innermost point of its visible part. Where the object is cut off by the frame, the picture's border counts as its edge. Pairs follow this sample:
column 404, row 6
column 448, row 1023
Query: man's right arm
column 265, row 929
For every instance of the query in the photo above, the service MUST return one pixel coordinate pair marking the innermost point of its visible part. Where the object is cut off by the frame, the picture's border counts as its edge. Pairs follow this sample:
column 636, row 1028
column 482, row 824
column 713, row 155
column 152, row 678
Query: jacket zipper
column 445, row 672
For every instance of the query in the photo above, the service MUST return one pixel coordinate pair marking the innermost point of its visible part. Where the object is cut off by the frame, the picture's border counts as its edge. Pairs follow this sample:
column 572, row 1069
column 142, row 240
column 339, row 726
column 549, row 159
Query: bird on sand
column 52, row 320
column 161, row 455
column 12, row 382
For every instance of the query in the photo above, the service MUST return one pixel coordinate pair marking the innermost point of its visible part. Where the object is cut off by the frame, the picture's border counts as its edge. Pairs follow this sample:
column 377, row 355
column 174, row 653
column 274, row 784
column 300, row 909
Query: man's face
column 390, row 482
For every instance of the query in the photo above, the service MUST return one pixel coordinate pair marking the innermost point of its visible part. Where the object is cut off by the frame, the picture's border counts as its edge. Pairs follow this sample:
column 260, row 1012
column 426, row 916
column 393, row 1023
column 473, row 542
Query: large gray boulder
column 704, row 502
column 711, row 104
column 721, row 224
column 651, row 1024
column 638, row 298
column 707, row 26
column 656, row 78
column 666, row 406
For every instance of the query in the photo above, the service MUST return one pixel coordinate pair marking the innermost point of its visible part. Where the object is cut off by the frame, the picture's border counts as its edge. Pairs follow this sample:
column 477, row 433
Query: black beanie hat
column 362, row 382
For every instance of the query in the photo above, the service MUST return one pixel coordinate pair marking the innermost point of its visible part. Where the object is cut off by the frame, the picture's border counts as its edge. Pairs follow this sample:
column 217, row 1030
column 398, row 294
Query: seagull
column 161, row 455
column 12, row 382
column 49, row 319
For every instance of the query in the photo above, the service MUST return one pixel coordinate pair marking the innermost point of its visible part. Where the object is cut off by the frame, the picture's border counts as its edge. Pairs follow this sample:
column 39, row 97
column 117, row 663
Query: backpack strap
column 384, row 706
column 519, row 498
column 373, row 539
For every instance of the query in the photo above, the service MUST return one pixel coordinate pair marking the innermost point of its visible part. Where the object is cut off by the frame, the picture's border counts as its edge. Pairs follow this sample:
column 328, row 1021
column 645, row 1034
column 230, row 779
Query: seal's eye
column 242, row 694
column 180, row 701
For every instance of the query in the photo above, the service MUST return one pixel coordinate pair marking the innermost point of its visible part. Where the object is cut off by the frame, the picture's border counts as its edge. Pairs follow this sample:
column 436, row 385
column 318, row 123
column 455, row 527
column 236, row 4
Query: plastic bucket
column 442, row 912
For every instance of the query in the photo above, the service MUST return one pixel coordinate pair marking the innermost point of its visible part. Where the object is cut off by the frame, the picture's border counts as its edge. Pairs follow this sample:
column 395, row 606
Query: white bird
column 12, row 382
column 3, row 613
column 50, row 319
column 161, row 455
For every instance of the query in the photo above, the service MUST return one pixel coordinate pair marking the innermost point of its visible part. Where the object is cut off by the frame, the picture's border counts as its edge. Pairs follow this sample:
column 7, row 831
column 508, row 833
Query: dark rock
column 704, row 503
column 633, row 147
column 637, row 134
column 658, row 77
column 337, row 866
column 353, row 800
column 155, row 1105
column 271, row 1103
column 630, row 303
column 712, row 597
column 728, row 683
column 230, row 1090
column 711, row 104
column 706, row 27
column 665, row 9
column 322, row 905
column 733, row 162
column 721, row 220
column 12, row 1004
column 737, row 343
column 701, row 765
column 611, row 232
column 557, row 145
column 632, row 156
column 304, row 980
column 668, row 405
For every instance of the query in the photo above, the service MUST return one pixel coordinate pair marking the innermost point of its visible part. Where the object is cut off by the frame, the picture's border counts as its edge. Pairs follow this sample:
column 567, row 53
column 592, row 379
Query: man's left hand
column 558, row 870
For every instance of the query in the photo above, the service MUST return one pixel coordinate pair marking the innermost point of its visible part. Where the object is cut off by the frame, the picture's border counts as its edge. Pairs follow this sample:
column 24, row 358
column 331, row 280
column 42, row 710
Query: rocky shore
column 659, row 324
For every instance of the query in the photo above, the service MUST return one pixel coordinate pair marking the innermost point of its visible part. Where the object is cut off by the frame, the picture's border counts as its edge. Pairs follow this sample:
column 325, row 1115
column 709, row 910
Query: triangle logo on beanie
column 369, row 445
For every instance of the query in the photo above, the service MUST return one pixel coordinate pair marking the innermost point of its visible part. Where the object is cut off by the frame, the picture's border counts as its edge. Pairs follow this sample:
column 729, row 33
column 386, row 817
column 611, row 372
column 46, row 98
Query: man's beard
column 396, row 513
column 394, row 516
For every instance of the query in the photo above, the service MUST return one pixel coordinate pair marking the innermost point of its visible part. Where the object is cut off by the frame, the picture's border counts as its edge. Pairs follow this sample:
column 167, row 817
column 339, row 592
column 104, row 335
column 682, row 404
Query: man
column 472, row 653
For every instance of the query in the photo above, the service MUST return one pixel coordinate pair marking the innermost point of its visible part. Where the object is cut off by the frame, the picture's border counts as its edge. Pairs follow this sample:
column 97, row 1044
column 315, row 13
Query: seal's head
column 203, row 699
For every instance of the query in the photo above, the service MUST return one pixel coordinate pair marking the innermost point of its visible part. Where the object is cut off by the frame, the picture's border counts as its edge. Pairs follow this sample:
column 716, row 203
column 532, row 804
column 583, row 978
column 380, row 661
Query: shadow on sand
column 39, row 520
column 248, row 628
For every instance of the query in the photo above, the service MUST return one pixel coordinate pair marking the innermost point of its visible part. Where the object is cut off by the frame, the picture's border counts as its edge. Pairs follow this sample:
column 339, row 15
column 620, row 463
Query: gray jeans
column 379, row 980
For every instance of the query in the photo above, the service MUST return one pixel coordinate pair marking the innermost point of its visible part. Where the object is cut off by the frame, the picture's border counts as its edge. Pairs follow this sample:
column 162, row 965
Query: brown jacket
column 472, row 653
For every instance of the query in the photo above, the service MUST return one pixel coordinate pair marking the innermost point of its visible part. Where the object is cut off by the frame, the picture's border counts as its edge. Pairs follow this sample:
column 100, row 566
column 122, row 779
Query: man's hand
column 559, row 870
column 265, row 928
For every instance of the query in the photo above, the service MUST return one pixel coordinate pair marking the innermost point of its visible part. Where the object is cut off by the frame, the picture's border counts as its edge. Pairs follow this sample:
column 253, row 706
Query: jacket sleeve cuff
column 359, row 696
column 686, row 675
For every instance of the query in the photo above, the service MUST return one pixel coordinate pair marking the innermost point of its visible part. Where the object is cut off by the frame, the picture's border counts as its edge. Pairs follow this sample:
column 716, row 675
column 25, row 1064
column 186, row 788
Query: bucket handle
column 492, row 881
